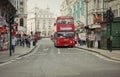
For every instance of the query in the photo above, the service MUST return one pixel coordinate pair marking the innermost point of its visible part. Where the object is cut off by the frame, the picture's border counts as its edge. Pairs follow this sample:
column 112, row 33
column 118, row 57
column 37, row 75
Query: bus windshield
column 65, row 21
column 65, row 34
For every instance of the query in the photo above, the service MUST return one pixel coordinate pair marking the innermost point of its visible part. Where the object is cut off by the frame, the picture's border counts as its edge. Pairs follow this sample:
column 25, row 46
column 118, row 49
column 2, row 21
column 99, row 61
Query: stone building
column 21, row 15
column 41, row 21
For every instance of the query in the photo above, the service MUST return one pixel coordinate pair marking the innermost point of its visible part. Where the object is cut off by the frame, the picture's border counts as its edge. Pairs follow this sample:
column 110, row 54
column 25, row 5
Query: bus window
column 65, row 21
column 69, row 35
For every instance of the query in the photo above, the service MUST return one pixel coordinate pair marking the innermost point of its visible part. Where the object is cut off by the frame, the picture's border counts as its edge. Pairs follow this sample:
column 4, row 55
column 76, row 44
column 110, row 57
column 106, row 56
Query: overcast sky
column 54, row 5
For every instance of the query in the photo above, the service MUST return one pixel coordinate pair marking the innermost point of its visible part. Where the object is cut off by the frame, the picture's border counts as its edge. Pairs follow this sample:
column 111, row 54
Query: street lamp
column 87, row 1
column 35, row 19
column 11, row 21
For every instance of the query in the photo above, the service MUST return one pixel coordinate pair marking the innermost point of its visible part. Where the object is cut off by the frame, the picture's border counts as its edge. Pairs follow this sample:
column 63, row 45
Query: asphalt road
column 49, row 61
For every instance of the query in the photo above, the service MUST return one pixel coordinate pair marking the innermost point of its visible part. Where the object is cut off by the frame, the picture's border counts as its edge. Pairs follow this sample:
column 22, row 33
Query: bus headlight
column 71, row 41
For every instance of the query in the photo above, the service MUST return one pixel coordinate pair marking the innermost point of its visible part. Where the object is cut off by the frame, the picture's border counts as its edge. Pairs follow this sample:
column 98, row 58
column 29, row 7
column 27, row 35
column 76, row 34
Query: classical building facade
column 75, row 8
column 45, row 22
column 32, row 14
column 100, row 6
column 115, row 5
column 21, row 15
column 41, row 20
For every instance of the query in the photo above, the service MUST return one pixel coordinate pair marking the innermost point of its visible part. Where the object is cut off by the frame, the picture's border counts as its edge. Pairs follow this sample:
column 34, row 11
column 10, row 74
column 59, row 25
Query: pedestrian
column 13, row 43
column 29, row 41
column 79, row 41
column 26, row 41
column 23, row 41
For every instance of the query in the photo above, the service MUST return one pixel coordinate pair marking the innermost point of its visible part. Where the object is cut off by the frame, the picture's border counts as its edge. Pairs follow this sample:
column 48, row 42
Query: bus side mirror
column 54, row 24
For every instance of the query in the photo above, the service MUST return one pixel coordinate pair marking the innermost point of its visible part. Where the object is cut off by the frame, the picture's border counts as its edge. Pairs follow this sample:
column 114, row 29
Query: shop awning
column 2, row 30
column 95, row 26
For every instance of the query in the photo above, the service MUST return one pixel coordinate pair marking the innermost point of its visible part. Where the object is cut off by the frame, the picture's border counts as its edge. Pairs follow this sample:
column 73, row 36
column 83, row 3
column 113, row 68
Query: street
column 49, row 61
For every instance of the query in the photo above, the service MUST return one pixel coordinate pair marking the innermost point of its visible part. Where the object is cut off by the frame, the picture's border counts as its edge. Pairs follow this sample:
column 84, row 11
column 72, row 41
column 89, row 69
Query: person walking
column 23, row 41
column 29, row 41
column 79, row 40
column 13, row 43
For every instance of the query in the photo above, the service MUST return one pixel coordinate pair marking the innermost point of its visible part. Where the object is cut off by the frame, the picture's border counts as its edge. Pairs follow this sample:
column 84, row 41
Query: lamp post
column 11, row 21
column 87, row 1
column 87, row 40
column 110, row 17
column 35, row 19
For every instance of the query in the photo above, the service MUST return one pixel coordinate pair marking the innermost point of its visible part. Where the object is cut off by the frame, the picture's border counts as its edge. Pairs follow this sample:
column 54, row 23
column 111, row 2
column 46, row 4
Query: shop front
column 3, row 34
column 94, row 36
column 6, row 10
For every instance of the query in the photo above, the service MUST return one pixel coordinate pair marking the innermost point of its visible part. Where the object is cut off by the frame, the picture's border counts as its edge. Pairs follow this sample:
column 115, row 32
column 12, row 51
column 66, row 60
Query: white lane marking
column 18, row 58
column 45, row 49
column 12, row 60
column 58, row 51
column 5, row 63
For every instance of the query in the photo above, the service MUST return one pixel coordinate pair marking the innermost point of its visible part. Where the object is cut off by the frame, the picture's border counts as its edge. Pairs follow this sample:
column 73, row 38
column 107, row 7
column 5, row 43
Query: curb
column 27, row 52
column 99, row 54
column 20, row 55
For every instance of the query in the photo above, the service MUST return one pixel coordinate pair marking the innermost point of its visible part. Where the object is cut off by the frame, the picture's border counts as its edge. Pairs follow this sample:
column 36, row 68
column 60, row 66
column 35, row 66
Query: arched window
column 21, row 22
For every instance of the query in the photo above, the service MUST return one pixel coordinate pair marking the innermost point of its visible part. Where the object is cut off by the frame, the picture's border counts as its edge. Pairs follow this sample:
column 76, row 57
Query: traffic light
column 104, row 17
column 109, row 15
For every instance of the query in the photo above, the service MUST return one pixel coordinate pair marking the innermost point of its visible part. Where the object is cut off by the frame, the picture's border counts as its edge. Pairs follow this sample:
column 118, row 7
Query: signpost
column 11, row 21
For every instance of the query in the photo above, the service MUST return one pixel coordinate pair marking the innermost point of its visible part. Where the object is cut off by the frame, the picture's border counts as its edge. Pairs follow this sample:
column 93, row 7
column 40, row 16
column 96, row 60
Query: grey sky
column 54, row 5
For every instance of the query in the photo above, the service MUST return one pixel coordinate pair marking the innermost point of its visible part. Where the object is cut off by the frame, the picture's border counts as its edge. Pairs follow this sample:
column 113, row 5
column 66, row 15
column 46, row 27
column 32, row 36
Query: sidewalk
column 19, row 51
column 114, row 55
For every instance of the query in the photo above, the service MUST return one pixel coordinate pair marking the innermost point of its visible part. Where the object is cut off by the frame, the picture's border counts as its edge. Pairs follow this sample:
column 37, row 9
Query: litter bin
column 88, row 43
column 34, row 42
column 91, row 44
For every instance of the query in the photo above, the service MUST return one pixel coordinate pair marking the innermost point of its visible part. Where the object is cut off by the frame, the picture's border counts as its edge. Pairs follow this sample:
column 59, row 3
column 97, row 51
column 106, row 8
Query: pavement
column 19, row 52
column 114, row 55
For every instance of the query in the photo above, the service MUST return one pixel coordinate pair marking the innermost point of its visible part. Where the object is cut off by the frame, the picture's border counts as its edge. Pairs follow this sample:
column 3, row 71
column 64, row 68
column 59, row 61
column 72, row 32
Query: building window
column 105, row 4
column 21, row 10
column 49, row 22
column 115, row 12
column 21, row 3
column 78, row 11
column 21, row 22
column 82, row 7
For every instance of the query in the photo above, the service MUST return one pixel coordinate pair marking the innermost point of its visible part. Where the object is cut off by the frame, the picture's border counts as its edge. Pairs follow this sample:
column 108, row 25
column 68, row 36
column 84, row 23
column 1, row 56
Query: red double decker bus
column 65, row 31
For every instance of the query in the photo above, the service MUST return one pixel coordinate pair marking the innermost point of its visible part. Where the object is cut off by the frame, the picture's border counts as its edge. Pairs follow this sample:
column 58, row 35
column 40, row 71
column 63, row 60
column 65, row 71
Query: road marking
column 5, row 63
column 58, row 51
column 12, row 60
column 45, row 49
column 18, row 58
